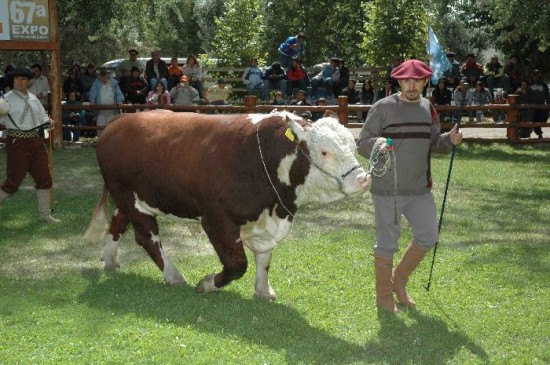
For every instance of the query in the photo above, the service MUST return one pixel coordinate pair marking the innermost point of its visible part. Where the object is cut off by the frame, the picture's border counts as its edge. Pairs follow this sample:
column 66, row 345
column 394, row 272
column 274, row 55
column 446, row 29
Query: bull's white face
column 336, row 174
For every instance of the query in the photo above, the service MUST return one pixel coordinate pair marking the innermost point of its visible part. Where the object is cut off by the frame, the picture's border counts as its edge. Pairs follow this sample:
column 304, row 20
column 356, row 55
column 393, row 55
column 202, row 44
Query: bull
column 243, row 177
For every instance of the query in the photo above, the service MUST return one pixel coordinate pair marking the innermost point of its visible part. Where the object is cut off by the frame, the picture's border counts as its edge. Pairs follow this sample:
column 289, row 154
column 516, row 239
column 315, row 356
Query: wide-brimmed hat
column 22, row 72
column 412, row 69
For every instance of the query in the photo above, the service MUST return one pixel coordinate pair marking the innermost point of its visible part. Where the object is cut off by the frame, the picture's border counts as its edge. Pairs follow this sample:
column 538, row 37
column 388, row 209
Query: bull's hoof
column 176, row 280
column 266, row 297
column 207, row 284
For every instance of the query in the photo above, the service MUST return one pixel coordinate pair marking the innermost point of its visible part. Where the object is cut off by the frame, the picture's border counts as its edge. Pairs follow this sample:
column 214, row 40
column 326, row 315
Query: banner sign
column 24, row 20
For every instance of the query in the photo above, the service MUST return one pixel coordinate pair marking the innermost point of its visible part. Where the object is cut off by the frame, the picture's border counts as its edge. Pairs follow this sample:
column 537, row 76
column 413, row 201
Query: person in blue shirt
column 292, row 48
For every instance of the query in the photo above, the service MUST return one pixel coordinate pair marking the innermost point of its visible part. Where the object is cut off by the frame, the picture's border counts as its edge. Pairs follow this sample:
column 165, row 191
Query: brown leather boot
column 411, row 259
column 383, row 272
column 44, row 206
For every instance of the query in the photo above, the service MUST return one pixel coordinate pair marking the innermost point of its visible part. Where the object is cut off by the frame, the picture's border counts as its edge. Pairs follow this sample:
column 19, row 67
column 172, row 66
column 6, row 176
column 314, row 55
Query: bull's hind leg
column 147, row 235
column 119, row 225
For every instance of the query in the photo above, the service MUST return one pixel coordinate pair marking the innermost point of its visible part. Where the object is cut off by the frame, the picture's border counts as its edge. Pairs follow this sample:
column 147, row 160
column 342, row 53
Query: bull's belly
column 145, row 208
column 264, row 234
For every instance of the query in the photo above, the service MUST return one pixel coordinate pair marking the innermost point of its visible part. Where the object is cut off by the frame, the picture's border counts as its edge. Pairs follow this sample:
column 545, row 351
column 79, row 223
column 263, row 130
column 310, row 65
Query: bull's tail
column 98, row 222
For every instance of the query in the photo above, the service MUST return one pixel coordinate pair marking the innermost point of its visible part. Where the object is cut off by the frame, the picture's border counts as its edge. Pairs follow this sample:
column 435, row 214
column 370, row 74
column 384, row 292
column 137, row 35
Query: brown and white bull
column 242, row 176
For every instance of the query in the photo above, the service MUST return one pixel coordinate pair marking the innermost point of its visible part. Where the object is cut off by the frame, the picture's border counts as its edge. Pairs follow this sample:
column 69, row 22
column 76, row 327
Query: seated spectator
column 6, row 82
column 72, row 84
column 494, row 74
column 296, row 77
column 315, row 116
column 156, row 70
column 499, row 115
column 274, row 78
column 538, row 93
column 515, row 72
column 324, row 78
column 71, row 117
column 158, row 96
column 253, row 79
column 453, row 74
column 472, row 70
column 352, row 93
column 136, row 87
column 183, row 93
column 342, row 83
column 396, row 60
column 300, row 98
column 278, row 98
column 479, row 96
column 442, row 96
column 368, row 96
column 193, row 71
column 124, row 69
column 218, row 94
column 460, row 98
column 87, row 79
column 175, row 72
column 386, row 90
column 525, row 115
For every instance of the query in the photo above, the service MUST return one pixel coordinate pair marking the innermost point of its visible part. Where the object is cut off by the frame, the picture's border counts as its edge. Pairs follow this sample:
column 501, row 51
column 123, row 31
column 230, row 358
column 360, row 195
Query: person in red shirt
column 175, row 72
column 297, row 77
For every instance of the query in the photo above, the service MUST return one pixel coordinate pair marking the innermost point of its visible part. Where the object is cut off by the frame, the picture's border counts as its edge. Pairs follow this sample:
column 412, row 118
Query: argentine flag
column 438, row 58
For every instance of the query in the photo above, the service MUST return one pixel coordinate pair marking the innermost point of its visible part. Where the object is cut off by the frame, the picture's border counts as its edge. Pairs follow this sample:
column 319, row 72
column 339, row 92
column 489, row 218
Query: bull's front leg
column 262, row 288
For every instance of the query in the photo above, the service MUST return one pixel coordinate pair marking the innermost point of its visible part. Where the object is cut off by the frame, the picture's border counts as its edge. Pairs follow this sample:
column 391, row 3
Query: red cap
column 412, row 69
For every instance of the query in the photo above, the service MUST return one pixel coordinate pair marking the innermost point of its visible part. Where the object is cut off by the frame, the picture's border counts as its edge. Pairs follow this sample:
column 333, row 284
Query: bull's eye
column 324, row 153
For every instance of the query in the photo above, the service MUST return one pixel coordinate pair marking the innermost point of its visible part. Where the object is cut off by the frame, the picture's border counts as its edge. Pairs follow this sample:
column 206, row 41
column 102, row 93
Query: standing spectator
column 409, row 118
column 524, row 114
column 472, row 70
column 354, row 97
column 175, row 72
column 274, row 78
column 136, row 87
column 193, row 71
column 124, row 69
column 73, row 84
column 396, row 60
column 324, row 78
column 442, row 96
column 453, row 74
column 293, row 47
column 494, row 73
column 183, row 93
column 87, row 79
column 386, row 90
column 537, row 93
column 156, row 70
column 40, row 86
column 253, row 79
column 218, row 94
column 297, row 77
column 479, row 96
column 159, row 96
column 515, row 72
column 368, row 96
column 105, row 91
column 25, row 150
column 6, row 82
column 343, row 71
column 71, row 117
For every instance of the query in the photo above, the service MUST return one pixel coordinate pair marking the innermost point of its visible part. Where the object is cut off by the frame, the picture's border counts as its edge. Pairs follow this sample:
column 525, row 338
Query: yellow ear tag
column 289, row 134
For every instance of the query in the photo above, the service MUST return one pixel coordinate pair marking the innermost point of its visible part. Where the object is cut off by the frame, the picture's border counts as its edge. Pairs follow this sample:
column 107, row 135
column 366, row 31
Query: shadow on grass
column 278, row 326
column 497, row 152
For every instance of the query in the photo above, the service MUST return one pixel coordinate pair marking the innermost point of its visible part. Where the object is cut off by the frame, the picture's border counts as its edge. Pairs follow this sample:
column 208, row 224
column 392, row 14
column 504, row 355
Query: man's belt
column 23, row 134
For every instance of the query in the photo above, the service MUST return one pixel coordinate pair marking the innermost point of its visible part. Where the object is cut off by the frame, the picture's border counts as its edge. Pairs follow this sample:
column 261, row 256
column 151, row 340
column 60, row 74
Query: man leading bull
column 23, row 116
column 412, row 124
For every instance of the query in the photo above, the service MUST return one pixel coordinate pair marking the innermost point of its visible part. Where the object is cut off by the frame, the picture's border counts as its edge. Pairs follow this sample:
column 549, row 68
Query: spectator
column 297, row 77
column 71, row 117
column 183, row 93
column 274, row 78
column 367, row 93
column 40, row 86
column 479, row 96
column 73, row 84
column 453, row 74
column 537, row 93
column 136, row 87
column 343, row 71
column 279, row 98
column 124, row 69
column 386, row 90
column 461, row 97
column 193, row 71
column 300, row 99
column 218, row 94
column 525, row 115
column 324, row 78
column 396, row 60
column 6, row 82
column 352, row 93
column 77, row 70
column 442, row 96
column 87, row 79
column 175, row 72
column 156, row 70
column 499, row 115
column 291, row 48
column 158, row 96
column 315, row 116
column 253, row 79
column 494, row 74
column 472, row 70
column 515, row 72
column 105, row 91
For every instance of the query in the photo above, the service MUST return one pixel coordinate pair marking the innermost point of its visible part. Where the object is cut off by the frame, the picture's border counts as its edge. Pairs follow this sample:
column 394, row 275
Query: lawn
column 488, row 303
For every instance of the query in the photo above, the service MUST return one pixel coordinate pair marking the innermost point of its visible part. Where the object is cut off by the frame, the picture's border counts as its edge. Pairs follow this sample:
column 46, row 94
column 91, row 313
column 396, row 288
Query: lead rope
column 388, row 162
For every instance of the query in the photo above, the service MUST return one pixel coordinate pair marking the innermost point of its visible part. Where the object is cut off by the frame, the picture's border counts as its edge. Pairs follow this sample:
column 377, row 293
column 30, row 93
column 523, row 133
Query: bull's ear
column 330, row 113
column 296, row 128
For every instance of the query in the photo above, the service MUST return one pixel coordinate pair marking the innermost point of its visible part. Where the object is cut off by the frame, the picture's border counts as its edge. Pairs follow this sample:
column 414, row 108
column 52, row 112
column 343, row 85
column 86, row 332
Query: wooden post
column 55, row 77
column 513, row 116
column 343, row 112
column 250, row 103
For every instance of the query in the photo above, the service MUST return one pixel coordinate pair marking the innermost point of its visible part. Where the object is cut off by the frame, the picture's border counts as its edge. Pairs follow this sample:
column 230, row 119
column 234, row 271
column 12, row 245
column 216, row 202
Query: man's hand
column 455, row 135
column 51, row 127
column 383, row 145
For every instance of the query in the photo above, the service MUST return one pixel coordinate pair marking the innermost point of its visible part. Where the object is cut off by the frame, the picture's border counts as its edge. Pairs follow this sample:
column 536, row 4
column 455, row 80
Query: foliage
column 205, row 12
column 394, row 27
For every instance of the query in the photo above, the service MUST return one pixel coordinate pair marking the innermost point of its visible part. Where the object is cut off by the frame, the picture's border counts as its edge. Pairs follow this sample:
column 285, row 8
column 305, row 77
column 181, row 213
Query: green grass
column 488, row 304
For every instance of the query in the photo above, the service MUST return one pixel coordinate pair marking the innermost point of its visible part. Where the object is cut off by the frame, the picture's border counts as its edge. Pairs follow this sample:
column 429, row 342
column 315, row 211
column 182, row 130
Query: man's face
column 133, row 56
column 411, row 89
column 104, row 79
column 37, row 72
column 20, row 83
column 351, row 85
column 174, row 62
